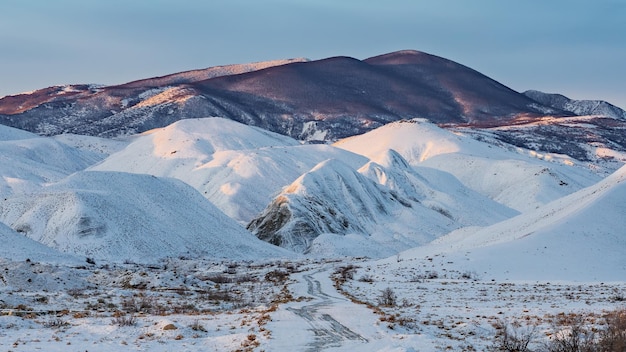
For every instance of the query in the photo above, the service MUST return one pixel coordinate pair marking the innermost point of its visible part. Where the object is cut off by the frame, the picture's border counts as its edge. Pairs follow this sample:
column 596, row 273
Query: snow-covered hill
column 579, row 237
column 335, row 199
column 239, row 168
column 335, row 210
column 121, row 216
column 17, row 247
column 522, row 180
column 28, row 161
column 9, row 134
column 435, row 189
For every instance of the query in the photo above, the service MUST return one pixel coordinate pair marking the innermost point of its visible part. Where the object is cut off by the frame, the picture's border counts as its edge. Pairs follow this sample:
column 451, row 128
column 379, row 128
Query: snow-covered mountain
column 238, row 168
column 519, row 179
column 243, row 170
column 484, row 207
column 335, row 199
column 396, row 187
column 577, row 107
column 326, row 100
column 121, row 216
column 579, row 237
column 378, row 210
column 308, row 100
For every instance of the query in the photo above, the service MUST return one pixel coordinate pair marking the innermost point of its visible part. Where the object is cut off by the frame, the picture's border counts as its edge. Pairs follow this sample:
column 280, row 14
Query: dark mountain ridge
column 336, row 97
column 577, row 107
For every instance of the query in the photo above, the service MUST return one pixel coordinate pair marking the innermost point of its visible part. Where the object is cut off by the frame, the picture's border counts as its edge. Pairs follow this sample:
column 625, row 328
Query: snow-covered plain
column 139, row 244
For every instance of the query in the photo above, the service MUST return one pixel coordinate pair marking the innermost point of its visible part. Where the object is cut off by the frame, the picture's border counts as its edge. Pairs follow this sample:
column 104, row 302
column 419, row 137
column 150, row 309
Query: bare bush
column 511, row 337
column 613, row 336
column 276, row 276
column 55, row 323
column 387, row 298
column 573, row 334
column 346, row 273
column 121, row 320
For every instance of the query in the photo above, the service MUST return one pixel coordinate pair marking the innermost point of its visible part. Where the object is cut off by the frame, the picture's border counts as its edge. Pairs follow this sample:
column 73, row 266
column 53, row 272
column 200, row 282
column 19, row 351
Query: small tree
column 387, row 298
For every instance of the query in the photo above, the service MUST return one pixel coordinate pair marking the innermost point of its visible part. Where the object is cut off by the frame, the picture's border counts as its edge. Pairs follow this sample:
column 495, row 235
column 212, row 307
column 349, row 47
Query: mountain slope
column 335, row 210
column 577, row 107
column 207, row 73
column 238, row 168
column 436, row 190
column 9, row 134
column 519, row 181
column 16, row 247
column 324, row 99
column 28, row 161
column 579, row 237
column 121, row 216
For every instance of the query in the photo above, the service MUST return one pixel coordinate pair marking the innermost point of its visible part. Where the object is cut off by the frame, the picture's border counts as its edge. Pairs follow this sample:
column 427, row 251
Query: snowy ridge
column 212, row 72
column 333, row 202
column 493, row 171
column 28, row 163
column 119, row 216
column 437, row 190
column 578, row 107
column 237, row 167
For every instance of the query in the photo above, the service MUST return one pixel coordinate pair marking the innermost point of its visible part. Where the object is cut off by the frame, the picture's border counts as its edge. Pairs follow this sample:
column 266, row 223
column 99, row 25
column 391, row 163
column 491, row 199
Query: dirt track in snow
column 327, row 330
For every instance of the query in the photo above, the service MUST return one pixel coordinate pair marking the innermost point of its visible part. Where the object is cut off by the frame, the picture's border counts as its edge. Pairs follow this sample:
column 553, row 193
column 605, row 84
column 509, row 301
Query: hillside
column 238, row 168
column 574, row 238
column 28, row 161
column 17, row 247
column 577, row 107
column 519, row 179
column 336, row 210
column 307, row 100
column 120, row 216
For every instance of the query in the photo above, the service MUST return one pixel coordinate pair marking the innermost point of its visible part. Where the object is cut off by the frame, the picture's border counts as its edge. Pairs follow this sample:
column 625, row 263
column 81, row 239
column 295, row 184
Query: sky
column 574, row 47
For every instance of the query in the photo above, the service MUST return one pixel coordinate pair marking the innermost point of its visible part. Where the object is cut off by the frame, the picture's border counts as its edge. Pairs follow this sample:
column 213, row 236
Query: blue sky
column 575, row 47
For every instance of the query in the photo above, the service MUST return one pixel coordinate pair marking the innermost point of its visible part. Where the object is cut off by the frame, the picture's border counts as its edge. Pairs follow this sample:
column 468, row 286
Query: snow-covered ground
column 139, row 244
column 199, row 305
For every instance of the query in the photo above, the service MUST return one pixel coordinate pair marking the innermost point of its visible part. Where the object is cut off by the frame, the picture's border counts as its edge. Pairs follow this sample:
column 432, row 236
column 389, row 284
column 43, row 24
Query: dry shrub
column 511, row 337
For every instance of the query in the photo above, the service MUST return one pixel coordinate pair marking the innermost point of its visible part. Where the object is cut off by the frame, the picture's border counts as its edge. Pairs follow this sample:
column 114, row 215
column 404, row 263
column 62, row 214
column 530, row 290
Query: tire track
column 327, row 330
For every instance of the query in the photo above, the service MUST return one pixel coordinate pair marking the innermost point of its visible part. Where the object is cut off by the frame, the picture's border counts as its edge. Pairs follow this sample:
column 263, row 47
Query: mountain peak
column 403, row 57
